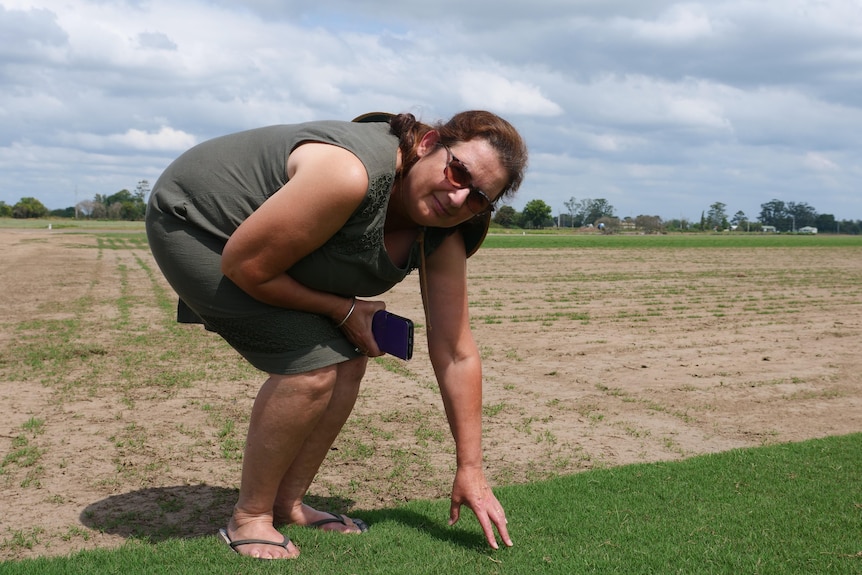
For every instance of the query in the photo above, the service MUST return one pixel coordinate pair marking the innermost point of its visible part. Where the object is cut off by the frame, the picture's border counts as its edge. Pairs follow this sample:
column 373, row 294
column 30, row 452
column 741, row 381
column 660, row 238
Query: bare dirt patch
column 118, row 423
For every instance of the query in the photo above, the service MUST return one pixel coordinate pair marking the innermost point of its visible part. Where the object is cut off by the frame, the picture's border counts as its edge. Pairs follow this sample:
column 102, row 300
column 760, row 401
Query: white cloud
column 164, row 140
column 662, row 106
column 819, row 162
column 681, row 23
column 480, row 89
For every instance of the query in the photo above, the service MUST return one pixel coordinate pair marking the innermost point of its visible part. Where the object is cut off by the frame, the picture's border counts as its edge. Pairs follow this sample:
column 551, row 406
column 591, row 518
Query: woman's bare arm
column 326, row 184
column 457, row 366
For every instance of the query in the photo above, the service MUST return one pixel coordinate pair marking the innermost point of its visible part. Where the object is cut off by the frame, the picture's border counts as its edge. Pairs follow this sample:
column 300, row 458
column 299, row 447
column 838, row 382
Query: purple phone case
column 393, row 334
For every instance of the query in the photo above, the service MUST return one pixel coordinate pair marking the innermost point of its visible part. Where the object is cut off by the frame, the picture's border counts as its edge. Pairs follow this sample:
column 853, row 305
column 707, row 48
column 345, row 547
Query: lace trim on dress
column 345, row 241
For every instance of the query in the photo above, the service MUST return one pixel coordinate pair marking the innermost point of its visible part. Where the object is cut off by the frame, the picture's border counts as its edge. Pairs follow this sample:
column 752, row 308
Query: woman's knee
column 316, row 384
column 352, row 371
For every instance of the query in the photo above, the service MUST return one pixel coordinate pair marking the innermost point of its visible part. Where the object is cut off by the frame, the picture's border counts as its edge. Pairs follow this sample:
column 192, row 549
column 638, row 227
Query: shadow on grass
column 431, row 527
column 191, row 511
column 160, row 513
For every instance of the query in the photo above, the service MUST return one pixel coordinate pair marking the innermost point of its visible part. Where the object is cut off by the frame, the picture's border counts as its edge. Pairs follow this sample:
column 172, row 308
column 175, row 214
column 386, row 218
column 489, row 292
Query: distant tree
column 536, row 213
column 142, row 190
column 801, row 214
column 598, row 209
column 716, row 217
column 29, row 208
column 115, row 211
column 739, row 218
column 99, row 210
column 785, row 216
column 5, row 210
column 849, row 227
column 681, row 224
column 126, row 205
column 773, row 213
column 588, row 211
column 648, row 224
column 63, row 213
column 573, row 206
column 505, row 216
column 84, row 208
column 826, row 223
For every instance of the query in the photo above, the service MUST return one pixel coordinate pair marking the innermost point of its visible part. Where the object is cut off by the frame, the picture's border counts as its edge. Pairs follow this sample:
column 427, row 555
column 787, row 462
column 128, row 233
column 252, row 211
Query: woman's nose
column 459, row 196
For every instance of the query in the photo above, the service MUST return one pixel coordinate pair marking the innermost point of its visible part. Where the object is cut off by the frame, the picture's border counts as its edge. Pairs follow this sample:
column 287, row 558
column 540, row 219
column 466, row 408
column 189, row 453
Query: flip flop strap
column 237, row 543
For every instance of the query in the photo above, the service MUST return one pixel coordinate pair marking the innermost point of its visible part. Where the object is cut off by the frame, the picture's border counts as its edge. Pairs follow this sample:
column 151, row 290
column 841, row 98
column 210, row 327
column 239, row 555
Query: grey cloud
column 28, row 33
column 156, row 41
column 661, row 106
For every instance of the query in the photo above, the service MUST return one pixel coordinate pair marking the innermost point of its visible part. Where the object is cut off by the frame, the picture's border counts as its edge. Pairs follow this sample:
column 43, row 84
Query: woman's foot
column 307, row 516
column 256, row 537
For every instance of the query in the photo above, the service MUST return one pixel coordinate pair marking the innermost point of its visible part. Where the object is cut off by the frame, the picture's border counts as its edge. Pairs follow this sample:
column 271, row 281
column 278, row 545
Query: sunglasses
column 459, row 176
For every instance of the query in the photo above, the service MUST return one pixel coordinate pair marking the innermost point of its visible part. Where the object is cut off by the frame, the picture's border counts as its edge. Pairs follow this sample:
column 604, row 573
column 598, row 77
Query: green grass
column 505, row 238
column 790, row 508
column 671, row 241
column 67, row 224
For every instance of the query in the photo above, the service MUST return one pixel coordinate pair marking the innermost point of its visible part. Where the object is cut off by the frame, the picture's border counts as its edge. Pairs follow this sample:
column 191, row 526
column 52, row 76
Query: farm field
column 119, row 423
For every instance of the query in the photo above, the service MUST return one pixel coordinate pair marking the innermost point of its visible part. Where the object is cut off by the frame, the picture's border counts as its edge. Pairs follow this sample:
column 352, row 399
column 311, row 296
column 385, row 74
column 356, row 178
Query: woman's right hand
column 357, row 328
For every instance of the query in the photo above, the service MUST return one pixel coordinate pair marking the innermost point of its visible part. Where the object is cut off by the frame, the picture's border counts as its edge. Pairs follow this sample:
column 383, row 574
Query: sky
column 659, row 107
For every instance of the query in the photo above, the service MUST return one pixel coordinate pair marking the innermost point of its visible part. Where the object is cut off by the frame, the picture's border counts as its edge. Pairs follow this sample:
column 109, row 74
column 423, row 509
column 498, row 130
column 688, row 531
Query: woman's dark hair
column 463, row 127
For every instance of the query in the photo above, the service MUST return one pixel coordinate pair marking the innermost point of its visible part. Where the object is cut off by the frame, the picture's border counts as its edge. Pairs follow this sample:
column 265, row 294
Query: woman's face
column 438, row 185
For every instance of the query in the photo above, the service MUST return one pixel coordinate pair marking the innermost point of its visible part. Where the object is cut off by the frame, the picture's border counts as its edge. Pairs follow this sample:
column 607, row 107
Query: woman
column 269, row 235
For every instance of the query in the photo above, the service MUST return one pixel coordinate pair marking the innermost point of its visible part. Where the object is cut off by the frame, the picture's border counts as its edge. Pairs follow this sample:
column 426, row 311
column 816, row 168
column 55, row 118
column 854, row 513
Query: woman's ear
column 428, row 142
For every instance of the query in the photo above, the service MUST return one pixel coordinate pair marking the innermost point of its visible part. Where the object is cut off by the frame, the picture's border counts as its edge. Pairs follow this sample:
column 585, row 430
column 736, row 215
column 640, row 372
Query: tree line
column 775, row 215
column 123, row 205
column 779, row 216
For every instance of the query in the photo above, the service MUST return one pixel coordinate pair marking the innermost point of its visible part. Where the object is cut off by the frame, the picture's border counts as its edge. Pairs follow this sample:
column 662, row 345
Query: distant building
column 768, row 229
column 808, row 230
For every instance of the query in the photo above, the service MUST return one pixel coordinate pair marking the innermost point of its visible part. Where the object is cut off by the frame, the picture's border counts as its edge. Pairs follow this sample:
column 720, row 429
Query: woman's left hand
column 471, row 489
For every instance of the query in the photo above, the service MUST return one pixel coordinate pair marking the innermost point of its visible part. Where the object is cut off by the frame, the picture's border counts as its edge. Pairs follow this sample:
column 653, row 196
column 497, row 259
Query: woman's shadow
column 191, row 511
column 184, row 511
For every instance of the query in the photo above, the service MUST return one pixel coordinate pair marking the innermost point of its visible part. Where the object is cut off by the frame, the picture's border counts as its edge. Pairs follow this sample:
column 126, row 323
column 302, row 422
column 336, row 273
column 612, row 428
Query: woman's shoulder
column 372, row 143
column 473, row 233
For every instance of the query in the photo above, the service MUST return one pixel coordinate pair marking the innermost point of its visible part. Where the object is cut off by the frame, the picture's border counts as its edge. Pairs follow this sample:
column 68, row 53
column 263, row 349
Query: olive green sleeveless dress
column 206, row 193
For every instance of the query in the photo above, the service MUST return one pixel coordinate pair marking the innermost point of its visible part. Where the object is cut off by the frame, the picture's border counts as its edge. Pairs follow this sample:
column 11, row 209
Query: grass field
column 793, row 508
column 115, row 427
column 669, row 241
column 549, row 238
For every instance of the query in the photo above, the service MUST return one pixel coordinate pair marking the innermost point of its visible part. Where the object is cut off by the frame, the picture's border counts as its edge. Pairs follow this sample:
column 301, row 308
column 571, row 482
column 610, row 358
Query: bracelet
column 349, row 313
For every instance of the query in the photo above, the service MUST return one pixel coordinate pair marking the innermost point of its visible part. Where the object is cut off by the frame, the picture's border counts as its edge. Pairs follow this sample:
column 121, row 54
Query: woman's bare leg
column 286, row 413
column 295, row 483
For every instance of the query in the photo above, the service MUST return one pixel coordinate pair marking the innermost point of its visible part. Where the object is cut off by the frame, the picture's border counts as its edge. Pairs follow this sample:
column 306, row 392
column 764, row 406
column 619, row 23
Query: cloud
column 480, row 89
column 29, row 34
column 819, row 162
column 164, row 140
column 156, row 41
column 660, row 105
column 679, row 24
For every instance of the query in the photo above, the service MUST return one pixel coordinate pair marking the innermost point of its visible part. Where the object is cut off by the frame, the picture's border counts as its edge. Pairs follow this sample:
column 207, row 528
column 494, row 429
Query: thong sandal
column 237, row 543
column 335, row 518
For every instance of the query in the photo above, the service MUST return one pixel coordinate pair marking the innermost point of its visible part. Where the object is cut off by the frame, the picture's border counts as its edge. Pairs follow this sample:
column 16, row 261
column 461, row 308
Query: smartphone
column 393, row 334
